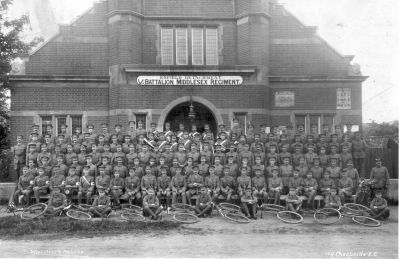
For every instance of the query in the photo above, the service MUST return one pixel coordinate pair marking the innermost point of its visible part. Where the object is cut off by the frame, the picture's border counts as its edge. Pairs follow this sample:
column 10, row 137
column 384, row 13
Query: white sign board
column 190, row 80
column 343, row 98
column 284, row 99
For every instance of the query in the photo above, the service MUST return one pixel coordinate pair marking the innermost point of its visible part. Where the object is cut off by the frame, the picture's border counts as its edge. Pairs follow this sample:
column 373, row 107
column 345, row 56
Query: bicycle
column 357, row 212
column 11, row 208
column 71, row 211
column 231, row 212
column 132, row 213
column 183, row 213
column 282, row 214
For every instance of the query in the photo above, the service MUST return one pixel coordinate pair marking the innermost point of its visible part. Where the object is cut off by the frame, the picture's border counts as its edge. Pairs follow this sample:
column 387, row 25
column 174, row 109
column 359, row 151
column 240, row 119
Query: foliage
column 11, row 46
column 380, row 129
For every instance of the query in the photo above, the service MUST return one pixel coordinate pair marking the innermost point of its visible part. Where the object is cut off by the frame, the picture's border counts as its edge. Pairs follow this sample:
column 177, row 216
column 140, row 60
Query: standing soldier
column 380, row 175
column 359, row 154
column 19, row 153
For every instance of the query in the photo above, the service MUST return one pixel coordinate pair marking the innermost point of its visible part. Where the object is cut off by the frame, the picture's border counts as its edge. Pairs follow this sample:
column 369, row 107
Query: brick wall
column 20, row 125
column 280, row 121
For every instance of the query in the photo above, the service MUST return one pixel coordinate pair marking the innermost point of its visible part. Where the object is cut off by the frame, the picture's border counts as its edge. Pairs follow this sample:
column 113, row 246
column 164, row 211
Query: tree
column 11, row 47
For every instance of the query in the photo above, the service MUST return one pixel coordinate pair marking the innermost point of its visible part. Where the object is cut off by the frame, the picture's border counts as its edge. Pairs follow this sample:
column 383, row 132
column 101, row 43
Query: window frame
column 245, row 114
column 206, row 46
column 202, row 45
column 145, row 124
column 185, row 29
column 54, row 122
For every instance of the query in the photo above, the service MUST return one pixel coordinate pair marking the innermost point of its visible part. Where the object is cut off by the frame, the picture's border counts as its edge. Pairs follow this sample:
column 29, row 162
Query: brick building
column 127, row 60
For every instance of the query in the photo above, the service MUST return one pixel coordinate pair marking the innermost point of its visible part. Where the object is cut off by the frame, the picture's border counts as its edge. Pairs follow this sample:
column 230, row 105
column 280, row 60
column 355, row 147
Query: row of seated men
column 135, row 186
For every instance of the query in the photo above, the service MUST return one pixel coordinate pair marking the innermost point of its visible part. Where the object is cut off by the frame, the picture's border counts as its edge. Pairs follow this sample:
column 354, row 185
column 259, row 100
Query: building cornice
column 129, row 68
column 59, row 78
column 317, row 79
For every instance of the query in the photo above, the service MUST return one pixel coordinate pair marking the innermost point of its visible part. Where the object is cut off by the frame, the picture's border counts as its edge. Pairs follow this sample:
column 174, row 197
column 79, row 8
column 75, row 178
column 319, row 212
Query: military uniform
column 243, row 183
column 86, row 187
column 24, row 186
column 116, row 187
column 102, row 182
column 147, row 182
column 57, row 180
column 178, row 185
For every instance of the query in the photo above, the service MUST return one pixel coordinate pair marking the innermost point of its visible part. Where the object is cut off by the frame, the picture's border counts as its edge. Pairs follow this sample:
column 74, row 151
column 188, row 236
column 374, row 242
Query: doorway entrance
column 203, row 115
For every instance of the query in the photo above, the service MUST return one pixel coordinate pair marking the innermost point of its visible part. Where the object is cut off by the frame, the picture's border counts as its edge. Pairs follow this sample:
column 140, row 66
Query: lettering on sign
column 284, row 99
column 344, row 98
column 190, row 80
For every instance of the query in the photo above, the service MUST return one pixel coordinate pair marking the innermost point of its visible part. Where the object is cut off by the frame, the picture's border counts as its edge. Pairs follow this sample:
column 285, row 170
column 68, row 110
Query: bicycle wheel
column 366, row 221
column 131, row 216
column 229, row 207
column 236, row 217
column 79, row 215
column 327, row 216
column 290, row 217
column 354, row 209
column 132, row 208
column 272, row 208
column 34, row 211
column 83, row 207
column 185, row 218
column 181, row 207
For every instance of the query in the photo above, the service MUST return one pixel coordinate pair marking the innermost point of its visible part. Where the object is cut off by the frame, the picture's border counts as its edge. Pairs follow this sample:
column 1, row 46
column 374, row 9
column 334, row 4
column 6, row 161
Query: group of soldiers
column 151, row 167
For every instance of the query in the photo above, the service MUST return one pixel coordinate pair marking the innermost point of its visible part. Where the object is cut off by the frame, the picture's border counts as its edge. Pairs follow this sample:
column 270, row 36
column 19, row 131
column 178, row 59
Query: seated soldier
column 194, row 182
column 151, row 206
column 259, row 186
column 309, row 188
column 248, row 204
column 275, row 186
column 203, row 206
column 345, row 186
column 227, row 184
column 101, row 206
column 41, row 184
column 243, row 182
column 24, row 187
column 178, row 185
column 296, row 182
column 148, row 181
column 293, row 202
column 132, row 187
column 326, row 184
column 86, row 186
column 71, row 183
column 56, row 202
column 212, row 183
column 379, row 207
column 116, row 187
column 164, row 187
column 103, row 180
column 332, row 200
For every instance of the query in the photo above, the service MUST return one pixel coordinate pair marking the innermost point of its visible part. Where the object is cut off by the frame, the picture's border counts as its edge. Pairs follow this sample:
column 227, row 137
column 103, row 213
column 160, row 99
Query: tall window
column 211, row 46
column 167, row 46
column 175, row 44
column 141, row 117
column 317, row 119
column 181, row 46
column 242, row 120
column 197, row 46
column 71, row 121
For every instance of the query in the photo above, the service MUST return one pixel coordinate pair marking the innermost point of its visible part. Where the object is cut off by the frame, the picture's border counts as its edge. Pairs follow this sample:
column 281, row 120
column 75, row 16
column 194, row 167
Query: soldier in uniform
column 379, row 207
column 332, row 200
column 151, row 206
column 227, row 184
column 275, row 186
column 148, row 181
column 19, row 154
column 249, row 204
column 194, row 182
column 212, row 183
column 359, row 147
column 101, row 205
column 203, row 206
column 293, row 202
column 296, row 182
column 57, row 201
column 310, row 187
column 243, row 182
column 132, row 187
column 57, row 181
column 86, row 186
column 71, row 183
column 41, row 184
column 259, row 186
column 164, row 187
column 178, row 185
column 116, row 186
column 345, row 186
column 24, row 187
column 326, row 184
column 102, row 180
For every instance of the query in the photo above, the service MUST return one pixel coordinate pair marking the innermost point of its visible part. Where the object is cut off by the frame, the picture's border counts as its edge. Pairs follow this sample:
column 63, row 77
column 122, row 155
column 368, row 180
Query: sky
column 368, row 29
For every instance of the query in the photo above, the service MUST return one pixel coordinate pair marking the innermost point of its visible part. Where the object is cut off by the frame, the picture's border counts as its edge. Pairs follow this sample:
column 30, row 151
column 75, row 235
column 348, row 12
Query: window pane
column 212, row 46
column 76, row 122
column 315, row 119
column 300, row 120
column 329, row 120
column 242, row 121
column 181, row 46
column 143, row 118
column 197, row 46
column 60, row 121
column 46, row 120
column 167, row 46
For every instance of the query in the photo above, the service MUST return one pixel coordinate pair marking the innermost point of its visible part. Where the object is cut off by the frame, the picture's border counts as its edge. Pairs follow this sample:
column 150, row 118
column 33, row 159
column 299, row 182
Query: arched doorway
column 203, row 115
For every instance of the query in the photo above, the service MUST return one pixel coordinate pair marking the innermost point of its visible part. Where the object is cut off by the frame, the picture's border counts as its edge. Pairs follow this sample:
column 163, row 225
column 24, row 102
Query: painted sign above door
column 190, row 80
